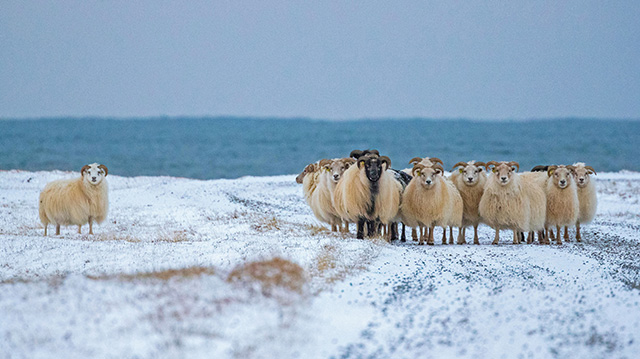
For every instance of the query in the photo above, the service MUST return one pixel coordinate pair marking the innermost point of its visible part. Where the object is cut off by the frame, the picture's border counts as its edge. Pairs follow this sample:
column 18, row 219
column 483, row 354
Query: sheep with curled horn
column 469, row 179
column 76, row 201
column 562, row 200
column 426, row 161
column 368, row 193
column 587, row 196
column 431, row 200
column 513, row 201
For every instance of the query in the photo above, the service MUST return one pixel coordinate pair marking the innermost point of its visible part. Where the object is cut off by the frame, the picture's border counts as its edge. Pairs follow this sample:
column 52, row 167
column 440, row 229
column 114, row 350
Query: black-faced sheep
column 368, row 192
column 76, row 201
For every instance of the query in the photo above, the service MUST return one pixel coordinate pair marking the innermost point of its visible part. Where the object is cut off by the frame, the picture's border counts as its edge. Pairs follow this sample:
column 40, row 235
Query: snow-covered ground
column 241, row 269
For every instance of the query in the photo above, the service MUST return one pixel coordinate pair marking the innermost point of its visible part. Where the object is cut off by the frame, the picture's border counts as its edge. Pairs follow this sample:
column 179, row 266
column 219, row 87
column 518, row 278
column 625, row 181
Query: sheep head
column 504, row 171
column 309, row 169
column 374, row 166
column 427, row 161
column 337, row 168
column 357, row 153
column 561, row 175
column 470, row 171
column 94, row 173
column 427, row 175
column 582, row 173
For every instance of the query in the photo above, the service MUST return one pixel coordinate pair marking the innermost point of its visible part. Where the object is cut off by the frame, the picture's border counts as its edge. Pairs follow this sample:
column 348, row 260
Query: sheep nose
column 563, row 182
column 428, row 181
column 469, row 179
column 93, row 178
column 503, row 179
column 336, row 177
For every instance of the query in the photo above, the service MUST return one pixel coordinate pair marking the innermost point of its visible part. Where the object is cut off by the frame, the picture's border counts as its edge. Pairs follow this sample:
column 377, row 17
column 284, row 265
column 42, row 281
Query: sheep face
column 337, row 168
column 470, row 174
column 504, row 171
column 427, row 176
column 373, row 166
column 561, row 175
column 582, row 174
column 94, row 173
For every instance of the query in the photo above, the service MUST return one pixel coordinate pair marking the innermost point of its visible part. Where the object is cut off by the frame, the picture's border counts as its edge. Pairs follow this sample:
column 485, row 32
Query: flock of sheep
column 365, row 189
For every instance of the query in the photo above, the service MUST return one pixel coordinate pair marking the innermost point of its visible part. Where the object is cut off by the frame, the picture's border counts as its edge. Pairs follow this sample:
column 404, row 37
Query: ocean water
column 208, row 148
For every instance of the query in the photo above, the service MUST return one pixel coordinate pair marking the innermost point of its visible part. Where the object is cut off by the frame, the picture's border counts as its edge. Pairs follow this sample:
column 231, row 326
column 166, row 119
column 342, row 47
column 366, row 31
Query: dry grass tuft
column 315, row 230
column 326, row 259
column 267, row 224
column 175, row 236
column 163, row 275
column 273, row 276
column 103, row 237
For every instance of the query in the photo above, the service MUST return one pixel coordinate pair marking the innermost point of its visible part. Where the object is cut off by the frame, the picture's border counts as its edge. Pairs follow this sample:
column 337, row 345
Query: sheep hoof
column 430, row 243
column 494, row 243
column 476, row 242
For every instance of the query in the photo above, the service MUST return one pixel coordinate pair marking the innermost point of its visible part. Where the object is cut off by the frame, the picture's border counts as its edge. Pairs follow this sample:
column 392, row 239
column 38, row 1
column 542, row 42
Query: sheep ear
column 461, row 170
column 360, row 164
column 84, row 168
column 106, row 171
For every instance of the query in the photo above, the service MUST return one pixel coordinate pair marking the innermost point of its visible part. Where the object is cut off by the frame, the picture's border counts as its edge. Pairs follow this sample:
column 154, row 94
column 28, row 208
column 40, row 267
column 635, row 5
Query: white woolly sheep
column 428, row 162
column 586, row 195
column 562, row 200
column 431, row 200
column 76, row 201
column 321, row 199
column 368, row 192
column 469, row 180
column 513, row 201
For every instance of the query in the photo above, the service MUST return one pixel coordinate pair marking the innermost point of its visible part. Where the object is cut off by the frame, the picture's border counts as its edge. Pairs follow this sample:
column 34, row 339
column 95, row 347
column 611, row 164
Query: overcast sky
column 320, row 59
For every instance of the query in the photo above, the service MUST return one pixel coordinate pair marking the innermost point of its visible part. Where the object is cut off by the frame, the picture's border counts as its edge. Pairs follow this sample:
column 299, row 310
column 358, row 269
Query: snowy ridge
column 155, row 281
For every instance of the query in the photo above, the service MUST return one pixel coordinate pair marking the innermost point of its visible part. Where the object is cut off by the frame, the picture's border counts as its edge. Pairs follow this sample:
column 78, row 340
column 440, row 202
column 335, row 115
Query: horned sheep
column 368, row 192
column 76, row 201
column 431, row 200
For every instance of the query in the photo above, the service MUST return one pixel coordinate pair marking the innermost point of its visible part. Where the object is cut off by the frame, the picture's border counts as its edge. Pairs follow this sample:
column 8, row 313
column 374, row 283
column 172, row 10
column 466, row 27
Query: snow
column 153, row 282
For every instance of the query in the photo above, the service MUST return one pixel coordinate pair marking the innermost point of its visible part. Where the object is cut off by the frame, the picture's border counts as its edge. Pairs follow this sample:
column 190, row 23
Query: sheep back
column 506, row 207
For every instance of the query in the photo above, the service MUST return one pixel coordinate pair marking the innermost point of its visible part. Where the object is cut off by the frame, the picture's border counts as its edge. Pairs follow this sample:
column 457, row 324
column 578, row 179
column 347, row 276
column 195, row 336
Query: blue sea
column 209, row 148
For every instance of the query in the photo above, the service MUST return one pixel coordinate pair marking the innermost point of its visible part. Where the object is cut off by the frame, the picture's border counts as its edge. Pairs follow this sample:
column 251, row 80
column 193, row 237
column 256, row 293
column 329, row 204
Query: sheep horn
column 106, row 171
column 571, row 168
column 415, row 160
column 550, row 170
column 324, row 162
column 387, row 160
column 84, row 168
column 348, row 161
column 438, row 166
column 480, row 164
column 590, row 169
column 436, row 160
column 463, row 164
column 491, row 163
column 417, row 166
column 514, row 163
column 356, row 154
column 374, row 152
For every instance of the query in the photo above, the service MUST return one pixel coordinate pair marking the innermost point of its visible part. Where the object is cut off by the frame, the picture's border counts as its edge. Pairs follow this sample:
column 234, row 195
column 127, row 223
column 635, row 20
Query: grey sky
column 320, row 59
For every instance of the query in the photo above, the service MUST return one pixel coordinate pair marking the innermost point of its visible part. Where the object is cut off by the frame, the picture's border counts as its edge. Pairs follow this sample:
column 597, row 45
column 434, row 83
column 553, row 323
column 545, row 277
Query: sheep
column 309, row 178
column 512, row 201
column 431, row 200
column 469, row 180
column 426, row 161
column 321, row 199
column 562, row 199
column 368, row 192
column 76, row 201
column 587, row 198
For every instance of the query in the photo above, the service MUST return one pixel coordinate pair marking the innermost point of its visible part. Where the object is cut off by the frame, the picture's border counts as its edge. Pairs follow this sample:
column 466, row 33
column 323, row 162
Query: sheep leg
column 79, row 229
column 57, row 229
column 393, row 231
column 360, row 231
column 516, row 237
column 550, row 233
column 431, row 230
column 444, row 235
column 90, row 227
column 530, row 237
column 421, row 242
column 45, row 229
column 578, row 237
column 558, row 239
column 403, row 236
column 371, row 228
column 496, row 239
column 450, row 235
column 461, row 239
column 542, row 237
column 333, row 228
column 566, row 233
column 476, row 240
column 414, row 234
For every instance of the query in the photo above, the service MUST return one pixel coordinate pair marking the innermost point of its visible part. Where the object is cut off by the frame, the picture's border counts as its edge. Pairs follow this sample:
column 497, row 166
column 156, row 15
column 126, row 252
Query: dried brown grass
column 272, row 276
column 163, row 275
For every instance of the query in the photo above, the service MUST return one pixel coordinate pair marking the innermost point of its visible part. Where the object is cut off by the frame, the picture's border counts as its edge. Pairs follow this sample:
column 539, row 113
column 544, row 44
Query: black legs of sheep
column 360, row 231
column 373, row 229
